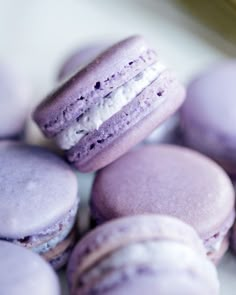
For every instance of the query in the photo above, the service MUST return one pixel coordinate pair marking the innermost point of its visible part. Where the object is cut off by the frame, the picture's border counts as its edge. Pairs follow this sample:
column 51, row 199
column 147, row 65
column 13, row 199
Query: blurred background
column 189, row 34
column 37, row 36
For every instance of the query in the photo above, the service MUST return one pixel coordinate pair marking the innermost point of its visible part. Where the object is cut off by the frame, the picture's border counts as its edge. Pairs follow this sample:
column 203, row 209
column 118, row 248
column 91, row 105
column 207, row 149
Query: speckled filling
column 48, row 238
column 150, row 257
column 108, row 106
column 159, row 93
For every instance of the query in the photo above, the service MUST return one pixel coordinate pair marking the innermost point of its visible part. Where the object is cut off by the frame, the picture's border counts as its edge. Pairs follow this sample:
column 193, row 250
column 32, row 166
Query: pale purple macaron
column 111, row 105
column 14, row 102
column 208, row 116
column 146, row 254
column 23, row 272
column 38, row 200
column 80, row 58
column 172, row 180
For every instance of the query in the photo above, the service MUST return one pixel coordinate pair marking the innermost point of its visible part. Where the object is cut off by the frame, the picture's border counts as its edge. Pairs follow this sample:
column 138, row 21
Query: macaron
column 208, row 116
column 14, row 102
column 146, row 254
column 79, row 59
column 170, row 180
column 39, row 201
column 109, row 106
column 24, row 272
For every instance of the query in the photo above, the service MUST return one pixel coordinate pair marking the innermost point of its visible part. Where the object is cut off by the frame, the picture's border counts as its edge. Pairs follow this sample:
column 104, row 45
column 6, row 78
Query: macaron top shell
column 37, row 189
column 211, row 98
column 123, row 231
column 24, row 272
column 210, row 108
column 14, row 102
column 165, row 180
column 110, row 70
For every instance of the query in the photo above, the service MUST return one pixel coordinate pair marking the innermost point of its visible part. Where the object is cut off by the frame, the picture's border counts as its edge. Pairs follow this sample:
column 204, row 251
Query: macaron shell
column 113, row 68
column 23, row 272
column 123, row 231
column 165, row 180
column 37, row 189
column 208, row 115
column 212, row 94
column 130, row 126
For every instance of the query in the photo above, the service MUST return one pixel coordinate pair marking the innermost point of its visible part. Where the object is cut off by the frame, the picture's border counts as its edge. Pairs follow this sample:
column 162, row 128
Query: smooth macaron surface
column 14, row 102
column 115, row 257
column 23, row 272
column 110, row 105
column 38, row 198
column 208, row 116
column 167, row 180
column 37, row 189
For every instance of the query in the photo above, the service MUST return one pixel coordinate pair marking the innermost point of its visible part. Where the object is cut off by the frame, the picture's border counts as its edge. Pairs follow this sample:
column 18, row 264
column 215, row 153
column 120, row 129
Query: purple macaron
column 208, row 116
column 110, row 105
column 146, row 254
column 14, row 103
column 39, row 201
column 79, row 59
column 23, row 272
column 172, row 180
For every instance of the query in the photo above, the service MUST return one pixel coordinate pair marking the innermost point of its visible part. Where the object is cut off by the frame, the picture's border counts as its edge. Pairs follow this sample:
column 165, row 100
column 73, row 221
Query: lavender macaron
column 146, row 254
column 38, row 201
column 109, row 106
column 79, row 59
column 23, row 272
column 14, row 103
column 172, row 180
column 208, row 117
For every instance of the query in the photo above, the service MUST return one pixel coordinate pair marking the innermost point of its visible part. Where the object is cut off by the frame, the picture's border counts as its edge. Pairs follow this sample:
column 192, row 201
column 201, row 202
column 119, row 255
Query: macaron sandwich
column 112, row 104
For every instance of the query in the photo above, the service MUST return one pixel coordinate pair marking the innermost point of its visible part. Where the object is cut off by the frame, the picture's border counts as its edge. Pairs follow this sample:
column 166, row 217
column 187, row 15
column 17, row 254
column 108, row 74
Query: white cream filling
column 108, row 106
column 161, row 255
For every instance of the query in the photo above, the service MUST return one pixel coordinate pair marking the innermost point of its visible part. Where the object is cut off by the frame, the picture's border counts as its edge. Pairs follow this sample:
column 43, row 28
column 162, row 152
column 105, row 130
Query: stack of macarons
column 164, row 211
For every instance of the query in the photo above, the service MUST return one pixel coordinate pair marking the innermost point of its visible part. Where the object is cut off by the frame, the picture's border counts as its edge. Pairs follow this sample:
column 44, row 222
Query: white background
column 37, row 35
